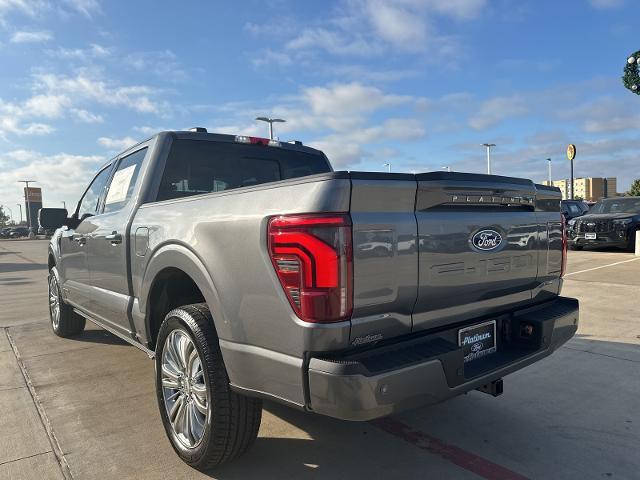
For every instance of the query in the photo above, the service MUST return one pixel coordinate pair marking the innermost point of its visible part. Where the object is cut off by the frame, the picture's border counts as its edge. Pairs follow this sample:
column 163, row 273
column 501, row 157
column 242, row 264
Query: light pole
column 447, row 168
column 270, row 121
column 488, row 145
column 550, row 181
column 20, row 207
column 64, row 204
column 388, row 165
column 26, row 182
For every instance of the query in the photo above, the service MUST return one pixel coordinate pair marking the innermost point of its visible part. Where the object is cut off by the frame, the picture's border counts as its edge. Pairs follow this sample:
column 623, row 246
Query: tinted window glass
column 89, row 202
column 619, row 205
column 198, row 166
column 573, row 209
column 121, row 187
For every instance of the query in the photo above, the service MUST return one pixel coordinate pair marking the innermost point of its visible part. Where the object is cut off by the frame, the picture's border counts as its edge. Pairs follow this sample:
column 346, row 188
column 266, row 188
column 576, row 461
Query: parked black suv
column 612, row 222
column 573, row 208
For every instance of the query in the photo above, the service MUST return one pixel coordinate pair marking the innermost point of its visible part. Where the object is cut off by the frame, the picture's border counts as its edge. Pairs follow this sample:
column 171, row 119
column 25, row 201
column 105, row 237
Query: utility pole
column 388, row 165
column 26, row 182
column 550, row 181
column 488, row 145
column 20, row 207
column 270, row 121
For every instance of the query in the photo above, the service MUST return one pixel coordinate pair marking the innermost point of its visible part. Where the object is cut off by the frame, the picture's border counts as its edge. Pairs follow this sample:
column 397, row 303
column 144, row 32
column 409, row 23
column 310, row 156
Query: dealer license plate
column 477, row 340
column 590, row 236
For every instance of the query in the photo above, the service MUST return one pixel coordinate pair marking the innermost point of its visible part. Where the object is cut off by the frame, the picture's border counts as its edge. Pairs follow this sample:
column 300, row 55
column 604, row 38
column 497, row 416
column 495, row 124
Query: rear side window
column 199, row 166
column 123, row 181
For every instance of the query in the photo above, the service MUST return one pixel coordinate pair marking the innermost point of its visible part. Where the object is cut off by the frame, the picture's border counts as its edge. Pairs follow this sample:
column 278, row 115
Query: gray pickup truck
column 250, row 270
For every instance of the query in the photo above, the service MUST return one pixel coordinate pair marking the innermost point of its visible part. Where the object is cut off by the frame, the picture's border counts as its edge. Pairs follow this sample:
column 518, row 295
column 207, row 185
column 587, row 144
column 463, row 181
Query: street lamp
column 270, row 121
column 26, row 182
column 550, row 182
column 64, row 204
column 488, row 145
column 388, row 165
column 447, row 168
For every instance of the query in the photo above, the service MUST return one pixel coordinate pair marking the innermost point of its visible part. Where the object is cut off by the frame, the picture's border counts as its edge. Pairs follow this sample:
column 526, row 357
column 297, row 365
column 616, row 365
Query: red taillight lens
column 563, row 269
column 313, row 257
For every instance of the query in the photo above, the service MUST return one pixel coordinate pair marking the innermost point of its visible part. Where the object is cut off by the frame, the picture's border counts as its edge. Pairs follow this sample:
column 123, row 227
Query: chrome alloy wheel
column 54, row 301
column 186, row 399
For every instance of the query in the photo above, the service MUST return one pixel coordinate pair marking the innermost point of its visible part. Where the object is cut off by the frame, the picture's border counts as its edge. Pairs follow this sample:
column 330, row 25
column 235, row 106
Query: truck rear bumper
column 362, row 385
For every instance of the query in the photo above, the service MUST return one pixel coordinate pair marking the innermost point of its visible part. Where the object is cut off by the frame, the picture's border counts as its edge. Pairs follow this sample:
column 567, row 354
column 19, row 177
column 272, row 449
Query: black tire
column 232, row 420
column 576, row 247
column 68, row 323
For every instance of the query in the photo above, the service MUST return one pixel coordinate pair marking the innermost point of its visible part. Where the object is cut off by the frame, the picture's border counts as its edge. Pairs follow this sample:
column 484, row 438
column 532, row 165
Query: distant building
column 590, row 189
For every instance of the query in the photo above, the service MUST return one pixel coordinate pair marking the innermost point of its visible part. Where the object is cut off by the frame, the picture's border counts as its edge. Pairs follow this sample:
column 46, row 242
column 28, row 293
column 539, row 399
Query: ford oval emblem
column 486, row 240
column 476, row 347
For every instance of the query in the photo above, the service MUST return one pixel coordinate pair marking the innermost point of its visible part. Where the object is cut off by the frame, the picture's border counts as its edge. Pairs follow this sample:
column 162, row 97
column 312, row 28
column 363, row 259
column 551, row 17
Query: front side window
column 124, row 180
column 88, row 205
column 197, row 166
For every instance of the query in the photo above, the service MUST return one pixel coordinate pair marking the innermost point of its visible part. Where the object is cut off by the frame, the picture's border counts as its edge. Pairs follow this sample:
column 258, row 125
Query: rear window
column 199, row 166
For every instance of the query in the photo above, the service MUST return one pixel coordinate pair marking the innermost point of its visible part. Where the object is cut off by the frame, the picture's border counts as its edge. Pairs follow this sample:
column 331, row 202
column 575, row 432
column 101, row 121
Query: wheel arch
column 174, row 275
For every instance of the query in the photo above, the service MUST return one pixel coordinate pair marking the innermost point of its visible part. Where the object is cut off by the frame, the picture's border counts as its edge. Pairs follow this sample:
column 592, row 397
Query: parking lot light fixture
column 488, row 145
column 270, row 121
column 388, row 165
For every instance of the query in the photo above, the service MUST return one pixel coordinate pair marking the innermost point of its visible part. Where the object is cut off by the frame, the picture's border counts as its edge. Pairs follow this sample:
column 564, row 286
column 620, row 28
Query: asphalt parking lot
column 85, row 408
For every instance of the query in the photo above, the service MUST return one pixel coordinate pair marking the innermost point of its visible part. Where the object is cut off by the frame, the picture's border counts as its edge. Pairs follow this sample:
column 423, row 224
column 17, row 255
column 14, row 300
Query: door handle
column 115, row 238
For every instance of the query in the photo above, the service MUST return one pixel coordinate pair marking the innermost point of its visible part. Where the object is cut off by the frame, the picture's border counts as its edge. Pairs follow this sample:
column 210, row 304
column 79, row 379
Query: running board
column 129, row 340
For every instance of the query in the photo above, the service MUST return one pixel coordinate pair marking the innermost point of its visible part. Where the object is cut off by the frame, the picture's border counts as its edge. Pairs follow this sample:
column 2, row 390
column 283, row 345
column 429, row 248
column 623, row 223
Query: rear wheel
column 64, row 321
column 207, row 423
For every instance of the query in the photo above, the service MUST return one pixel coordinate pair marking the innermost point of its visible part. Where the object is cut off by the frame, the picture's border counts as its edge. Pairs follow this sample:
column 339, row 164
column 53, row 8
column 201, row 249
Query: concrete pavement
column 85, row 407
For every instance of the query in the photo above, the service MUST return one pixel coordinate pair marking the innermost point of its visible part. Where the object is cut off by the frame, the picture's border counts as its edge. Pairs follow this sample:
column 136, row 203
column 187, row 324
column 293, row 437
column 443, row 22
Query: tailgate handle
column 114, row 238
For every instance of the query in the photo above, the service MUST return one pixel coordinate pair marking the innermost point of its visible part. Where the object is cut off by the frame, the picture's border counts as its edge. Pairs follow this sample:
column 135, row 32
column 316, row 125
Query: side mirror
column 52, row 217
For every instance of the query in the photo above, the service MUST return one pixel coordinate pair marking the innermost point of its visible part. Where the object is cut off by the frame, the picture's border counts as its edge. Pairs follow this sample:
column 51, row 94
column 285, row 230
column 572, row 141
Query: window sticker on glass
column 120, row 185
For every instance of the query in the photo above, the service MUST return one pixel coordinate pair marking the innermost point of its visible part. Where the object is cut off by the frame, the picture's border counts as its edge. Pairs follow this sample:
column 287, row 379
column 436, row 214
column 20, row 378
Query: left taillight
column 313, row 257
column 563, row 269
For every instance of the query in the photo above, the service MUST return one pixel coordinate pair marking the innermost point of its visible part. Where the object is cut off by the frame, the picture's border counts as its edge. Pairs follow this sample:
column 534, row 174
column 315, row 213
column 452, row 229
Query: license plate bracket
column 478, row 340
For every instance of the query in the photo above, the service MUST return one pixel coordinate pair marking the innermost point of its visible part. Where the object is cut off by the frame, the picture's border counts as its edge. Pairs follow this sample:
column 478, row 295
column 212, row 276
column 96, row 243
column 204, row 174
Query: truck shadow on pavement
column 21, row 267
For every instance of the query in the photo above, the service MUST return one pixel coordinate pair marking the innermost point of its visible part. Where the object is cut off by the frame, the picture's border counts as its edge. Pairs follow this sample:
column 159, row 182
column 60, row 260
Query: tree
column 4, row 218
column 634, row 191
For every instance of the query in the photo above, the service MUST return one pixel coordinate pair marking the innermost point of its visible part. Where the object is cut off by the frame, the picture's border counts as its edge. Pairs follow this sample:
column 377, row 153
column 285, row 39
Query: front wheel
column 207, row 423
column 64, row 321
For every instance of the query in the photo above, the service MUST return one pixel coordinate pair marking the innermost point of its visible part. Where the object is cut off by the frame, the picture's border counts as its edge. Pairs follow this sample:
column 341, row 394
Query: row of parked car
column 14, row 232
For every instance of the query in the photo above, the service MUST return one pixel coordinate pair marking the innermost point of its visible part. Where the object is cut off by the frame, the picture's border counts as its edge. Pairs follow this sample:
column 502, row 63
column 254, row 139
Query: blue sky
column 417, row 83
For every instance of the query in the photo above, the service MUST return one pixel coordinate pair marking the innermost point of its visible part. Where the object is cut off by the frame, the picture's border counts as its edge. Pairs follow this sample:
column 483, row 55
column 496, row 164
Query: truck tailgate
column 440, row 248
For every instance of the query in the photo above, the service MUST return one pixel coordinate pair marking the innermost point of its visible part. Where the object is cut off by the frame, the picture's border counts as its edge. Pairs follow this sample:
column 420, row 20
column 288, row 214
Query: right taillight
column 313, row 258
column 563, row 268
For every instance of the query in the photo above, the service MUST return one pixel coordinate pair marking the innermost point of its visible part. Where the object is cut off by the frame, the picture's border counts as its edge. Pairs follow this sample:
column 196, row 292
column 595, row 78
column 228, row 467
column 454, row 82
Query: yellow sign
column 571, row 152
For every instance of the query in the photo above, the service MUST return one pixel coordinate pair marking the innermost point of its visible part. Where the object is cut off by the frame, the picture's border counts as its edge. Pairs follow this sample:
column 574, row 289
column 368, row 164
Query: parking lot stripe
column 462, row 458
column 601, row 266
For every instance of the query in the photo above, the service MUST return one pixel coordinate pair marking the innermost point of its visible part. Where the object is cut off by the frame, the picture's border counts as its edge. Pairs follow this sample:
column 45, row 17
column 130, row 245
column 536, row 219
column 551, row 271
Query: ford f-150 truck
column 250, row 270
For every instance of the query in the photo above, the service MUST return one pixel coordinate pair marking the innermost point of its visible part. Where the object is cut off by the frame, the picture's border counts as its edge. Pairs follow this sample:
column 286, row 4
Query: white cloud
column 85, row 87
column 88, row 8
column 396, row 25
column 85, row 116
column 83, row 54
column 30, row 37
column 162, row 63
column 51, row 172
column 497, row 109
column 47, row 105
column 117, row 144
column 605, row 4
